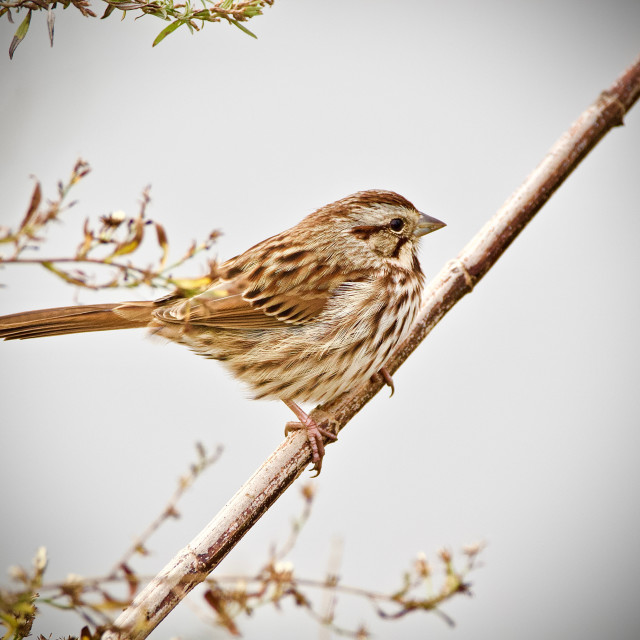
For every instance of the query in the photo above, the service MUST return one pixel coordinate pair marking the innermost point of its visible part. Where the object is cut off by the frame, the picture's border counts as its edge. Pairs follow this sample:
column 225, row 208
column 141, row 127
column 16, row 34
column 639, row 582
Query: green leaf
column 108, row 11
column 67, row 277
column 242, row 28
column 21, row 32
column 166, row 31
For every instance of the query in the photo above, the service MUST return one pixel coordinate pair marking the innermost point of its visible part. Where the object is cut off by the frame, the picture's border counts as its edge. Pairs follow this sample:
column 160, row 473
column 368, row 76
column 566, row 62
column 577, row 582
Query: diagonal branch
column 194, row 563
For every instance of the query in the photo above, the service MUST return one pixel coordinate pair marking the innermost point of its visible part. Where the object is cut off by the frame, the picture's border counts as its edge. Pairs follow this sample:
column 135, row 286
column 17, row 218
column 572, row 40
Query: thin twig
column 194, row 563
column 232, row 596
column 170, row 510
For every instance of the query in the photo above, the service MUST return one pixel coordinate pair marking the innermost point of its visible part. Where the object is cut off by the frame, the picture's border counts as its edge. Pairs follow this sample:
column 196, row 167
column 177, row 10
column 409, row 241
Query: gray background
column 515, row 423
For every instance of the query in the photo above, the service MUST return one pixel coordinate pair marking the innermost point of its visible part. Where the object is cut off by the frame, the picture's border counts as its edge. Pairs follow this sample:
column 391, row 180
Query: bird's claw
column 387, row 379
column 315, row 436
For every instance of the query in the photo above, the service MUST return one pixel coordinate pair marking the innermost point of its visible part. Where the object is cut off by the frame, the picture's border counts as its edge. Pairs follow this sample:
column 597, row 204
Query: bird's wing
column 215, row 309
column 259, row 292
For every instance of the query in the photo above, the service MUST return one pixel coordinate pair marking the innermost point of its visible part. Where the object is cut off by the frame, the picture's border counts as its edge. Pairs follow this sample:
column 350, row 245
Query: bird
column 302, row 316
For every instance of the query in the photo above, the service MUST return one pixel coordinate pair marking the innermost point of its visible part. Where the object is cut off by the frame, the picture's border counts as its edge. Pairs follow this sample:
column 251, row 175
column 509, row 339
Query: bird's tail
column 63, row 320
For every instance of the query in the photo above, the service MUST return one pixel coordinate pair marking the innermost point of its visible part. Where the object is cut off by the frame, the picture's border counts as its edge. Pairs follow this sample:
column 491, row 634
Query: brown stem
column 194, row 563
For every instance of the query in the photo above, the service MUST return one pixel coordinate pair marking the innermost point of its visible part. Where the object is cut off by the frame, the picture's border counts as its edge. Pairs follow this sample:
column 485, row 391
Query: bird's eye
column 396, row 224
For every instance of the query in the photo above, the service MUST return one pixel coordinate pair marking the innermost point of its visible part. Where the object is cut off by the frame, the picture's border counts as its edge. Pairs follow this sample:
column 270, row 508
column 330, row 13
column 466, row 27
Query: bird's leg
column 388, row 380
column 314, row 433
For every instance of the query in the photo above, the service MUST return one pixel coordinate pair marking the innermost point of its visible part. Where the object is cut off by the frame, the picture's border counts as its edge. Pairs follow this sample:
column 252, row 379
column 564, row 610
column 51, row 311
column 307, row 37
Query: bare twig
column 194, row 563
column 89, row 597
column 170, row 510
column 278, row 581
column 97, row 600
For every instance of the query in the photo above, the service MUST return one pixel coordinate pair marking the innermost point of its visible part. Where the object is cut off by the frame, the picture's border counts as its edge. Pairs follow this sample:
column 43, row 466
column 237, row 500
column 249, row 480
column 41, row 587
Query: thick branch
column 193, row 563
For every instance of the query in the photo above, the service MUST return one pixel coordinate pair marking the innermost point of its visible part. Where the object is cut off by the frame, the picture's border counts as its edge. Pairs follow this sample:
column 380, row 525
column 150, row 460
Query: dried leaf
column 163, row 242
column 300, row 599
column 87, row 243
column 190, row 252
column 51, row 18
column 81, row 168
column 131, row 243
column 36, row 197
column 132, row 579
column 21, row 32
column 212, row 239
column 215, row 599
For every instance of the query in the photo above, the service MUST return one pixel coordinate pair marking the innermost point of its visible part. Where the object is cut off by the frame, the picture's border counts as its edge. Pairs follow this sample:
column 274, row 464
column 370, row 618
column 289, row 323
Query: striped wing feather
column 263, row 289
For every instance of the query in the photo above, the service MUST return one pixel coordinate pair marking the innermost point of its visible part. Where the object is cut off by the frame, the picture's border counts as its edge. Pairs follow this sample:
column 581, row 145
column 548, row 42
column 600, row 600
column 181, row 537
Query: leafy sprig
column 108, row 245
column 193, row 16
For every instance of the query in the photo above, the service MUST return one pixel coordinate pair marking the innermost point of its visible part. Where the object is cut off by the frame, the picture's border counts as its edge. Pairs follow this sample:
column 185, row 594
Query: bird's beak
column 427, row 224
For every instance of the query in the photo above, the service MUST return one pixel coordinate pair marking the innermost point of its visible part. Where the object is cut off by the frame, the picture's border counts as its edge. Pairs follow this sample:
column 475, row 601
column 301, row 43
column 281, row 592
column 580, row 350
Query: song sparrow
column 302, row 316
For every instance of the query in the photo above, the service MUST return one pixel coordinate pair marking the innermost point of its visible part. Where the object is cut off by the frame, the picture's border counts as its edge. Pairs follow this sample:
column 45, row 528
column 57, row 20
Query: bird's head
column 382, row 224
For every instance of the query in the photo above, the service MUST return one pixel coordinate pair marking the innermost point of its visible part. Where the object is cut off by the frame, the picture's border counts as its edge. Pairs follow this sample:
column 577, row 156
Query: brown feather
column 64, row 320
column 284, row 281
column 231, row 312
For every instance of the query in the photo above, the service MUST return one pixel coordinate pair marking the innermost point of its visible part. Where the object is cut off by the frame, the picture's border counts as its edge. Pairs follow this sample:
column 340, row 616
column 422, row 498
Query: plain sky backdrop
column 516, row 422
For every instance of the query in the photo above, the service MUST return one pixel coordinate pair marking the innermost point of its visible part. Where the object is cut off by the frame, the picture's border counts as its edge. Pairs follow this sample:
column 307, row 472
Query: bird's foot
column 315, row 434
column 387, row 379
